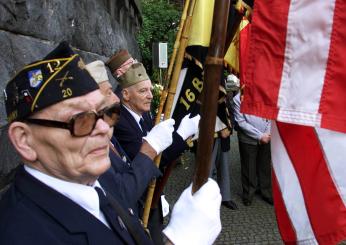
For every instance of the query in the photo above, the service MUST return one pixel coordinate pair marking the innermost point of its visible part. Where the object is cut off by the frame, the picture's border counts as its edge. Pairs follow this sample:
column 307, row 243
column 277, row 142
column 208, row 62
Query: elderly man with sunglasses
column 64, row 193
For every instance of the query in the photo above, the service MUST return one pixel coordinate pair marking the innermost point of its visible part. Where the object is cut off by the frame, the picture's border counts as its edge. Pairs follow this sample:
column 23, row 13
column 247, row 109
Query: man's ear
column 20, row 135
column 126, row 95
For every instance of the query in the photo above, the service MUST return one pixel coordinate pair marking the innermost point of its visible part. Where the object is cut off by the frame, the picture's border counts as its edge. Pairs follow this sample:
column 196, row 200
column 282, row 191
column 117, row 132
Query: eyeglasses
column 82, row 124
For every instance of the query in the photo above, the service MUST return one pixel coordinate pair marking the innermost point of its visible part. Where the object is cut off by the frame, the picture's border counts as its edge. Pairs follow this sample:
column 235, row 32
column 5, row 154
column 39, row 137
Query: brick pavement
column 255, row 224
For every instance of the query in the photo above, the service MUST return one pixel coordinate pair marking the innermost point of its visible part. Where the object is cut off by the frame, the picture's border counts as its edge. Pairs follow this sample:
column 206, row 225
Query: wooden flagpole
column 212, row 76
column 169, row 102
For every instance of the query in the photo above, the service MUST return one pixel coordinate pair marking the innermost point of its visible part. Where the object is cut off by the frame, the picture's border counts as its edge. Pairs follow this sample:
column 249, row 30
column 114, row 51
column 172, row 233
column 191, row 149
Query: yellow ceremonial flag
column 232, row 54
column 202, row 21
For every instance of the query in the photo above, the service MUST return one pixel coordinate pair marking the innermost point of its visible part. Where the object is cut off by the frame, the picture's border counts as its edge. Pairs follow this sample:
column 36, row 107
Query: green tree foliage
column 160, row 23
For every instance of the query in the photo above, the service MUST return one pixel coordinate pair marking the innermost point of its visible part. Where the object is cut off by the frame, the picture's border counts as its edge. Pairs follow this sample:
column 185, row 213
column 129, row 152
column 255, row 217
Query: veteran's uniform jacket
column 129, row 135
column 33, row 213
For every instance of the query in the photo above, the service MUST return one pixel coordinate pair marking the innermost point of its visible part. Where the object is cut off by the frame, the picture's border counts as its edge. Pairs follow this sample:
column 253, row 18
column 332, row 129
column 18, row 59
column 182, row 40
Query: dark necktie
column 113, row 211
column 144, row 128
column 108, row 211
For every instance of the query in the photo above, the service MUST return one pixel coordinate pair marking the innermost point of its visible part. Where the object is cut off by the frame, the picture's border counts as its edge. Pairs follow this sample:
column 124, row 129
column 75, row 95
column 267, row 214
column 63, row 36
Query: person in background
column 220, row 166
column 254, row 147
column 120, row 62
column 221, row 151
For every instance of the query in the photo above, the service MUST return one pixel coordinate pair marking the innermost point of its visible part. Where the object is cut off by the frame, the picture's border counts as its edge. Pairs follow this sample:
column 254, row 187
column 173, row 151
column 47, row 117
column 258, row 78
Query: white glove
column 196, row 218
column 188, row 126
column 160, row 137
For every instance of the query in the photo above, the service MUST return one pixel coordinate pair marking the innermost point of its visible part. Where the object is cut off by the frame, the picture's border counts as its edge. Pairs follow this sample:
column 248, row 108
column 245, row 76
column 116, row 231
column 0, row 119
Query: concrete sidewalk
column 255, row 224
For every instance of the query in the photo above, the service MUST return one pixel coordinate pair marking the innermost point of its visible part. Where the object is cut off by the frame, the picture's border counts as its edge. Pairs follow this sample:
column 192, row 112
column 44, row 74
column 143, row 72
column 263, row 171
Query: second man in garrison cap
column 136, row 101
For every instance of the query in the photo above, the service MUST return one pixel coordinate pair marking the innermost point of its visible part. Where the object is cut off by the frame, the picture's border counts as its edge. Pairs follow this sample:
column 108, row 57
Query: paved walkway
column 255, row 224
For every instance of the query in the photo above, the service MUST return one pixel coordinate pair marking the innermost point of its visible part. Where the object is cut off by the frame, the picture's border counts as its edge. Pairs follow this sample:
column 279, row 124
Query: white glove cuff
column 153, row 144
column 196, row 218
column 169, row 233
column 182, row 133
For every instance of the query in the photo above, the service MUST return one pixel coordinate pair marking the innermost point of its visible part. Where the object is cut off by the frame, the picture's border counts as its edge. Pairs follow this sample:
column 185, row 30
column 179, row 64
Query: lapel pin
column 121, row 223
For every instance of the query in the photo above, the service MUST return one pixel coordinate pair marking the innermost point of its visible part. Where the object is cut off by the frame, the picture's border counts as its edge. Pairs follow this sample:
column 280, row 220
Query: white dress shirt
column 251, row 125
column 84, row 195
column 135, row 116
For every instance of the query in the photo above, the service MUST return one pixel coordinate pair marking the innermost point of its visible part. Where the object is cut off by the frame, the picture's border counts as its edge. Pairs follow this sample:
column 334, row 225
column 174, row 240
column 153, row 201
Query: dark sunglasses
column 82, row 124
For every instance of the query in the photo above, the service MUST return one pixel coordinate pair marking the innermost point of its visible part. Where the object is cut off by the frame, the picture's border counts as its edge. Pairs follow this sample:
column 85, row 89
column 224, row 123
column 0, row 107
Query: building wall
column 29, row 29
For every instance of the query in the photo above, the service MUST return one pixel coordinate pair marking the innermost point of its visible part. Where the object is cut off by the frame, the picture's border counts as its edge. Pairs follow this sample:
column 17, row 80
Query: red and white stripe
column 296, row 75
column 296, row 63
column 309, row 183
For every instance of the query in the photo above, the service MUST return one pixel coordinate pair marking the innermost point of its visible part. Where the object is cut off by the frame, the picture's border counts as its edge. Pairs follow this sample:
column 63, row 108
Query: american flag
column 296, row 75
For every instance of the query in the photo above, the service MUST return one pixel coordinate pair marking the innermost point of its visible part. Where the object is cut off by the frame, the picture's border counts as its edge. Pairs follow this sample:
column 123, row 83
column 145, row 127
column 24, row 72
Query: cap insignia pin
column 35, row 77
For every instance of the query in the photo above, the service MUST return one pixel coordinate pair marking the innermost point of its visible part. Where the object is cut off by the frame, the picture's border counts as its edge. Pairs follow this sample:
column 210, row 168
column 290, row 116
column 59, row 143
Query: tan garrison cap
column 98, row 71
column 117, row 60
column 135, row 74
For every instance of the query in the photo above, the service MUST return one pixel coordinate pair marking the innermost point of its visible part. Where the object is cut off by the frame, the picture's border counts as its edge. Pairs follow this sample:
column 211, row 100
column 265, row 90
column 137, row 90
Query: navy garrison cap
column 59, row 76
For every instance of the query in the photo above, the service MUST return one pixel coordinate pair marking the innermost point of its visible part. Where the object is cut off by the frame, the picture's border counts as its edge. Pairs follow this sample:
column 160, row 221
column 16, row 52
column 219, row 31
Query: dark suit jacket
column 138, row 207
column 129, row 135
column 33, row 213
column 117, row 165
column 131, row 179
column 128, row 132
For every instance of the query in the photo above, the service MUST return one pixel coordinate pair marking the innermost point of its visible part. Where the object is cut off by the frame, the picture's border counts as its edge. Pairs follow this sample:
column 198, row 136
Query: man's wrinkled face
column 75, row 159
column 110, row 97
column 139, row 96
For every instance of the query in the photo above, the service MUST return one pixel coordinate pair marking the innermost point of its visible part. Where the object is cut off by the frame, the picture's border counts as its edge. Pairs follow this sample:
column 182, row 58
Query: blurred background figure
column 255, row 157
